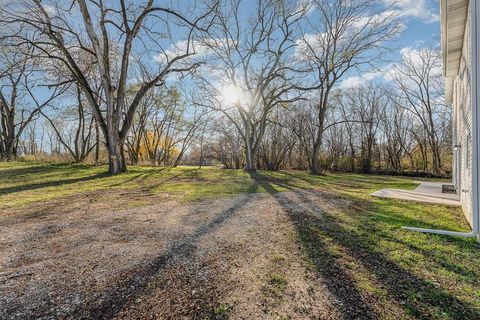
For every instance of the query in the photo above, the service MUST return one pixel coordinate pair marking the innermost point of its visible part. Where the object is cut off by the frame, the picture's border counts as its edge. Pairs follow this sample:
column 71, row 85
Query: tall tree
column 420, row 83
column 344, row 33
column 77, row 138
column 21, row 98
column 120, row 38
column 249, row 72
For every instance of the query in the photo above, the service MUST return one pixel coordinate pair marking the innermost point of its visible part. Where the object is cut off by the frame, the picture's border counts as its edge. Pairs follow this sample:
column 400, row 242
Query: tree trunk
column 317, row 144
column 201, row 153
column 116, row 156
column 249, row 158
column 315, row 161
column 249, row 150
column 436, row 159
column 10, row 143
column 97, row 143
column 10, row 150
column 2, row 150
column 367, row 159
column 352, row 156
column 316, row 168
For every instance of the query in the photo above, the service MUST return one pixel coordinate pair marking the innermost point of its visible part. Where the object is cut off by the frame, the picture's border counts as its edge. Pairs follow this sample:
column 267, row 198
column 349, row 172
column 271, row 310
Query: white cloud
column 361, row 22
column 408, row 52
column 417, row 57
column 352, row 82
column 307, row 43
column 390, row 71
column 382, row 74
column 198, row 49
column 317, row 42
column 181, row 47
column 421, row 9
column 306, row 5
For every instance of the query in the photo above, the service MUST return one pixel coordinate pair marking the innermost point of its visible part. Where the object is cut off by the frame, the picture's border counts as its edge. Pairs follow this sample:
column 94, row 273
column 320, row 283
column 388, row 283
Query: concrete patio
column 429, row 192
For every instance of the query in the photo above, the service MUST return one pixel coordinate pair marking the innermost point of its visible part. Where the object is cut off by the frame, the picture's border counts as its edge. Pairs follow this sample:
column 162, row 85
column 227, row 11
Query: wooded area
column 201, row 84
column 237, row 159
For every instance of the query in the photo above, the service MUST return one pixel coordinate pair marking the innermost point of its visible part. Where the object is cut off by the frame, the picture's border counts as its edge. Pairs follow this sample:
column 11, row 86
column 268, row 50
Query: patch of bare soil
column 236, row 258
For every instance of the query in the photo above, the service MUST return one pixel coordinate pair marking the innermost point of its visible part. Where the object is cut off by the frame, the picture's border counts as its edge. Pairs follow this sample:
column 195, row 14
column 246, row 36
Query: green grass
column 276, row 285
column 361, row 247
column 24, row 183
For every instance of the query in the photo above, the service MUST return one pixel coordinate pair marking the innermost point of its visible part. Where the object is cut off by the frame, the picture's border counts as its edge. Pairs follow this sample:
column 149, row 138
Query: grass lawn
column 395, row 272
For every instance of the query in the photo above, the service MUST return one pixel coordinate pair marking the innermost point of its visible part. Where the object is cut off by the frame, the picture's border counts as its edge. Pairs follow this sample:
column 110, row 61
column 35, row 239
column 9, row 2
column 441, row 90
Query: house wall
column 463, row 127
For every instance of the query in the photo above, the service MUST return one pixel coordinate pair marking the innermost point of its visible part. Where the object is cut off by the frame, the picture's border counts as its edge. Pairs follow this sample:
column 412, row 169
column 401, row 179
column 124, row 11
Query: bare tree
column 344, row 33
column 250, row 74
column 226, row 144
column 136, row 138
column 77, row 138
column 397, row 125
column 20, row 103
column 277, row 143
column 369, row 100
column 420, row 82
column 348, row 113
column 115, row 36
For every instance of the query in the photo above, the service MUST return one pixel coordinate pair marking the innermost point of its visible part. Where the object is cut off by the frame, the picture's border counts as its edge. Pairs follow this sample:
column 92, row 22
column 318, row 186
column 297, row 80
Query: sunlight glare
column 231, row 95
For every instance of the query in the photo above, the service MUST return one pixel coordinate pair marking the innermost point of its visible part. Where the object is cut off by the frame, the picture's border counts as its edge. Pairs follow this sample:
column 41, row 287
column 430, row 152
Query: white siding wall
column 463, row 127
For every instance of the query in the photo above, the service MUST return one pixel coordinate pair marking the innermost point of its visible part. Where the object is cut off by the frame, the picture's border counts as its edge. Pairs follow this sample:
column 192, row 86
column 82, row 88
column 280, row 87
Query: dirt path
column 237, row 258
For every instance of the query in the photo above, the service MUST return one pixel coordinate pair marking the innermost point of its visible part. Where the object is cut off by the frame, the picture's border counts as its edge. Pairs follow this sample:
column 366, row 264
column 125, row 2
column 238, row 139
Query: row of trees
column 365, row 132
column 218, row 80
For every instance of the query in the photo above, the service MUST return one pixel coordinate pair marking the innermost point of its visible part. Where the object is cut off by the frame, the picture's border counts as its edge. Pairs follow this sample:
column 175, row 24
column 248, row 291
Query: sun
column 231, row 95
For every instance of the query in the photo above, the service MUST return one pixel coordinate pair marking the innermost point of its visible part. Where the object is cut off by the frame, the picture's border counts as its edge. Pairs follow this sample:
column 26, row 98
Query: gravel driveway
column 238, row 258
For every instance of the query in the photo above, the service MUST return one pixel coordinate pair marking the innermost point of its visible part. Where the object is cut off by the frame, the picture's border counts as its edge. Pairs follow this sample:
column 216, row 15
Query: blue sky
column 421, row 18
column 421, row 31
column 422, row 22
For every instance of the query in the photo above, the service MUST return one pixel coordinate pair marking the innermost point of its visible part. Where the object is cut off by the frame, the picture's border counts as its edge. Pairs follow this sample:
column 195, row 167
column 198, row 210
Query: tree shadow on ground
column 172, row 178
column 338, row 282
column 127, row 291
column 395, row 218
column 320, row 233
column 55, row 183
column 15, row 172
column 439, row 259
column 140, row 176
